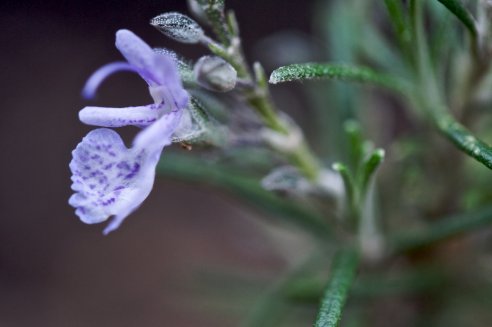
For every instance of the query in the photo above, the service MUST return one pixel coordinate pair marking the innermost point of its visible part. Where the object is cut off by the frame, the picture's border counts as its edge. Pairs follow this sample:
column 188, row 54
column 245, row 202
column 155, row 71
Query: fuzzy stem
column 259, row 98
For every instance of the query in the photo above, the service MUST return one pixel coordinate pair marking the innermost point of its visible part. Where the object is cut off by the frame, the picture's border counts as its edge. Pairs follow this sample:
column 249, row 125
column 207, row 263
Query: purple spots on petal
column 83, row 158
column 133, row 171
column 123, row 165
column 96, row 173
column 108, row 202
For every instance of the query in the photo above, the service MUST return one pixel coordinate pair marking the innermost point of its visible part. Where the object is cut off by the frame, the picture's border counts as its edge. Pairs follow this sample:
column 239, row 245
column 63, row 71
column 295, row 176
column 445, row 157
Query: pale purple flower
column 110, row 179
column 158, row 69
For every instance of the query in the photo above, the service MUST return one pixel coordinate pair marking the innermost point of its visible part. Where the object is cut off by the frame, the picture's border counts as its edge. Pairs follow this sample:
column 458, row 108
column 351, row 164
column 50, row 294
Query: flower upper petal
column 166, row 72
column 117, row 117
column 138, row 54
column 158, row 69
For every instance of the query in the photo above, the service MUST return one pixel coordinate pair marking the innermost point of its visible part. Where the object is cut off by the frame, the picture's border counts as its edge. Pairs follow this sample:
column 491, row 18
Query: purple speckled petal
column 140, row 116
column 150, row 141
column 101, row 74
column 109, row 179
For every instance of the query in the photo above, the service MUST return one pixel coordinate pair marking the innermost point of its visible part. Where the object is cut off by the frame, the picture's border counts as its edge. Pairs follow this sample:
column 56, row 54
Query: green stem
column 264, row 106
column 259, row 98
column 464, row 140
column 343, row 273
column 420, row 280
column 236, row 61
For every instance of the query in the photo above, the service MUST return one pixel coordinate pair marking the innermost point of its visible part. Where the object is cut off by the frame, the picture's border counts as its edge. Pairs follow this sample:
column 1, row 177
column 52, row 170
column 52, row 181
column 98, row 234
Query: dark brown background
column 56, row 271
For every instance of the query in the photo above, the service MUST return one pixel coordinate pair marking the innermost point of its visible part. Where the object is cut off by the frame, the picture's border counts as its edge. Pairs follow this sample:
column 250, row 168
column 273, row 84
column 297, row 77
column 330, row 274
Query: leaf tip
column 273, row 78
column 337, row 166
column 380, row 153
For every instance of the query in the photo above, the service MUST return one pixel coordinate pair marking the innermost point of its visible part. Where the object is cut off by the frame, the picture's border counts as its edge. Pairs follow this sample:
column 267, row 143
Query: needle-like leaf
column 309, row 71
column 342, row 276
column 248, row 188
column 457, row 8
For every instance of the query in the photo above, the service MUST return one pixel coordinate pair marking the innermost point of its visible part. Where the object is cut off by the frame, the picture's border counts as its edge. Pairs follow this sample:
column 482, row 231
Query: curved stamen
column 92, row 84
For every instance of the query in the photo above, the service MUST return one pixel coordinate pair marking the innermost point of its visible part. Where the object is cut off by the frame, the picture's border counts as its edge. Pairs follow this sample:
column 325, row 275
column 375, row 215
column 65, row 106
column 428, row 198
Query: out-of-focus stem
column 430, row 99
column 429, row 90
column 259, row 98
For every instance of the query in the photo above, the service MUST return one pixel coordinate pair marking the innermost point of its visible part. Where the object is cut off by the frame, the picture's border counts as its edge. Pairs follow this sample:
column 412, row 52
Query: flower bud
column 178, row 27
column 215, row 74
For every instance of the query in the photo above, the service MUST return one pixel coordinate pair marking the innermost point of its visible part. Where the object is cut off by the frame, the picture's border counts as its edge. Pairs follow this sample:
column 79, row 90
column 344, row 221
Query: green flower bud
column 215, row 74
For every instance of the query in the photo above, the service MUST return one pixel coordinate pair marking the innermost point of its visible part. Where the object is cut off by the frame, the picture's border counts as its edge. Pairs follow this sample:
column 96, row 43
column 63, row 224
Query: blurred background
column 162, row 266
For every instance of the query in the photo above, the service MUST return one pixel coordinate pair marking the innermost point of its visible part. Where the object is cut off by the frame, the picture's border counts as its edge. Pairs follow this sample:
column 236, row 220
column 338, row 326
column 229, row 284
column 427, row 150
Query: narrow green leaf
column 398, row 20
column 248, row 188
column 308, row 71
column 342, row 276
column 341, row 22
column 214, row 11
column 442, row 230
column 395, row 10
column 379, row 52
column 370, row 166
column 465, row 140
column 420, row 280
column 348, row 182
column 355, row 143
column 260, row 75
column 457, row 8
column 444, row 41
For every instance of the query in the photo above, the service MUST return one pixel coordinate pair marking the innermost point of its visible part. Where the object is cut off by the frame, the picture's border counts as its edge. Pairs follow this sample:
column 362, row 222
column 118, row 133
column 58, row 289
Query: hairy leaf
column 465, row 141
column 342, row 276
column 309, row 71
